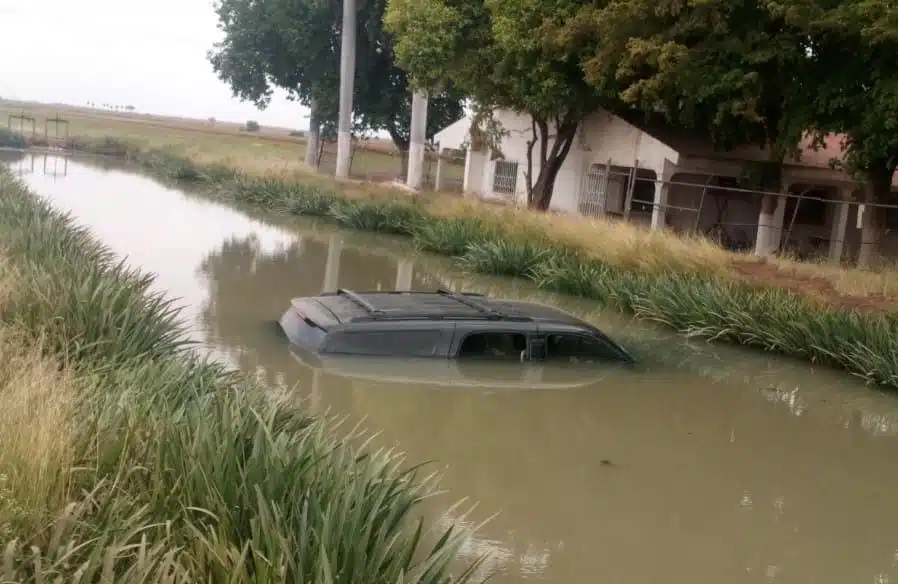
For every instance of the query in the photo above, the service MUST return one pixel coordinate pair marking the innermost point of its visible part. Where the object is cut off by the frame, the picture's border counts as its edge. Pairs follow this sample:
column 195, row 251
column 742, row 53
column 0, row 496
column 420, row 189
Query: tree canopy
column 295, row 45
column 734, row 71
column 491, row 50
column 740, row 72
column 854, row 47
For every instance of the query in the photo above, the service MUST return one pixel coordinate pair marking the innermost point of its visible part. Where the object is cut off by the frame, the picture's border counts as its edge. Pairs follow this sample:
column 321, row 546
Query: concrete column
column 438, row 175
column 770, row 225
column 332, row 265
column 474, row 165
column 417, row 137
column 405, row 269
column 660, row 204
column 839, row 228
column 347, row 85
column 312, row 141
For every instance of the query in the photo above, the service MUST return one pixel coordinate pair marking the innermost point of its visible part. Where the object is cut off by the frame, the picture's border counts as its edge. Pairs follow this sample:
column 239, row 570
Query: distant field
column 376, row 159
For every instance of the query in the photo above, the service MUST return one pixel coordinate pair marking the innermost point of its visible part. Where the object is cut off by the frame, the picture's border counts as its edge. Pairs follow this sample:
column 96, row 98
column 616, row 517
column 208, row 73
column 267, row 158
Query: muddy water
column 708, row 464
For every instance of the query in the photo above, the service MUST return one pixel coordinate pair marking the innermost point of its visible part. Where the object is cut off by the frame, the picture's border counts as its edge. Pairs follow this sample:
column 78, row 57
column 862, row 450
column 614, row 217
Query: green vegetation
column 295, row 45
column 126, row 458
column 733, row 73
column 700, row 301
column 10, row 139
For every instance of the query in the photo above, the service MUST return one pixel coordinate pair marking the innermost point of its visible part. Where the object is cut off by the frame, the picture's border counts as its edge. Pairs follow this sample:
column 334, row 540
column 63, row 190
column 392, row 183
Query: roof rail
column 489, row 311
column 370, row 308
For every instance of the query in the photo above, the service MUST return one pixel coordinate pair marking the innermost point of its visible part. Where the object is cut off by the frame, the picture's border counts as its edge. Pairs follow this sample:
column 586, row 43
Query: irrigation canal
column 709, row 464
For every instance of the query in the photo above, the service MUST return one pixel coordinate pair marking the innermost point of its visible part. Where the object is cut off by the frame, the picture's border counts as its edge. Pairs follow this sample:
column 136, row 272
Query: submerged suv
column 443, row 324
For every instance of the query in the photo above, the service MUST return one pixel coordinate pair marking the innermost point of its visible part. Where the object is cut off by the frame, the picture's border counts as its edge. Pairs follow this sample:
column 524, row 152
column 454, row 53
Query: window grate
column 505, row 177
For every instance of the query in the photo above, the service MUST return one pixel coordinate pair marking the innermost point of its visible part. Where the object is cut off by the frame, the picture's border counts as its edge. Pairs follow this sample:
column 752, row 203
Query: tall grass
column 138, row 461
column 36, row 447
column 680, row 282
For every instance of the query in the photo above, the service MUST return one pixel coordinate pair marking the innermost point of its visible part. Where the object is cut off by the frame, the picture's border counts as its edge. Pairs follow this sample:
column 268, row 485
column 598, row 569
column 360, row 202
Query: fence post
column 628, row 200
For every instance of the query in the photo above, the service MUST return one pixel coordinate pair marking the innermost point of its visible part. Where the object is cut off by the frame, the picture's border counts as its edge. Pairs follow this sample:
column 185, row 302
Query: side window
column 417, row 343
column 574, row 347
column 493, row 345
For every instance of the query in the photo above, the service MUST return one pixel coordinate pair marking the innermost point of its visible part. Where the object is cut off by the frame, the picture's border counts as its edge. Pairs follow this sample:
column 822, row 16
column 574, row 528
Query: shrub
column 251, row 126
column 9, row 139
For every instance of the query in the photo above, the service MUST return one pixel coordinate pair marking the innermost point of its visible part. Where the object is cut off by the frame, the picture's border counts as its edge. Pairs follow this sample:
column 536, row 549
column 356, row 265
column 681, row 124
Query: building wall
column 601, row 138
column 604, row 138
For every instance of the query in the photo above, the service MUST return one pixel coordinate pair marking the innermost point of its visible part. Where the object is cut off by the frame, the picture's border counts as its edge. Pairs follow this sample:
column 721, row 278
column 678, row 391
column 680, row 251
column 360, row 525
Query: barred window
column 505, row 177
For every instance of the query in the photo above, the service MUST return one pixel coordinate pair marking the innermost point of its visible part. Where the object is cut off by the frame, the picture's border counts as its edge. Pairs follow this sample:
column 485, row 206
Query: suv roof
column 346, row 306
column 430, row 323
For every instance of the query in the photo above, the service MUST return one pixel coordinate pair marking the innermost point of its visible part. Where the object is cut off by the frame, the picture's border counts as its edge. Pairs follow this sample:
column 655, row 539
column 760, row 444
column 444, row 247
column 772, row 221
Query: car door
column 493, row 340
column 567, row 345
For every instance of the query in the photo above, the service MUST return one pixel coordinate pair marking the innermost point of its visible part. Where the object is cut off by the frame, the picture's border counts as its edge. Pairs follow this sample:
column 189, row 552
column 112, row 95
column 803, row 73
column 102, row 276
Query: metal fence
column 809, row 217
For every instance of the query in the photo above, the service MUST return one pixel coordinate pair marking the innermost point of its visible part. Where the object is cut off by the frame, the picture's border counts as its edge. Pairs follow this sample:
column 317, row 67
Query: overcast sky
column 151, row 55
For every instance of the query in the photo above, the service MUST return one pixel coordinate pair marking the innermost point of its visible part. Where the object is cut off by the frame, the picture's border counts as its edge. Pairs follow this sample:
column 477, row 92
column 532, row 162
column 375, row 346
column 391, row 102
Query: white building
column 680, row 183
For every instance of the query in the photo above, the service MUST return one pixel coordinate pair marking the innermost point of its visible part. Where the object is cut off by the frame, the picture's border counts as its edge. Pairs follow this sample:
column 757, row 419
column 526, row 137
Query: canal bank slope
column 124, row 457
column 842, row 318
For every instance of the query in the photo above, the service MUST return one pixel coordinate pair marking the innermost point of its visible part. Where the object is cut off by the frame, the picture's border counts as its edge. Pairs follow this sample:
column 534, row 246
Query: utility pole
column 417, row 137
column 347, row 83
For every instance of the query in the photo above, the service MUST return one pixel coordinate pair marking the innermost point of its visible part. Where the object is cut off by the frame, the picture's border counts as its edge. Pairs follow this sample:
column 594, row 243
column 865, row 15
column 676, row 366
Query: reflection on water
column 707, row 464
column 46, row 164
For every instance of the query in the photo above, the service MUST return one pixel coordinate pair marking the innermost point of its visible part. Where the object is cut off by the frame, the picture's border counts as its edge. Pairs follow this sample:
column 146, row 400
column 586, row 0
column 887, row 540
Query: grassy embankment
column 124, row 458
column 835, row 316
column 375, row 159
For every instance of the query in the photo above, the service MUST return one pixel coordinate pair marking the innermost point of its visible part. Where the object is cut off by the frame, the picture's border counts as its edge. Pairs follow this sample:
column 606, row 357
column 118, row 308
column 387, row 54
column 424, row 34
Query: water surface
column 708, row 464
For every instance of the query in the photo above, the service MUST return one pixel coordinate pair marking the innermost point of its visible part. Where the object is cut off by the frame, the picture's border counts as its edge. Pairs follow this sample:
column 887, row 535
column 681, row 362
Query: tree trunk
column 402, row 145
column 403, row 165
column 540, row 194
column 312, row 143
column 768, row 234
column 770, row 226
column 878, row 190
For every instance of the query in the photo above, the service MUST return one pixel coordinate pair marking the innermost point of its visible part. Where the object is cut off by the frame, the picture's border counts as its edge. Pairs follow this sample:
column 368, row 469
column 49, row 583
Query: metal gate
column 591, row 200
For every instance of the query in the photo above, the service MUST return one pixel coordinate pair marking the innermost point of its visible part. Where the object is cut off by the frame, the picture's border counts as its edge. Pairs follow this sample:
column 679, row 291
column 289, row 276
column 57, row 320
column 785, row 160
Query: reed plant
column 680, row 282
column 124, row 457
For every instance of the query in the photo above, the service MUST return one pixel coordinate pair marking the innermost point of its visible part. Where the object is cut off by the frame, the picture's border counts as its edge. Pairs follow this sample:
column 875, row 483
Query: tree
column 730, row 69
column 492, row 51
column 295, row 45
column 853, row 54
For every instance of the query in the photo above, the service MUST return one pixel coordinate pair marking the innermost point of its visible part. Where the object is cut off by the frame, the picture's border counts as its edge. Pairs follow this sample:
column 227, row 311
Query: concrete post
column 404, row 272
column 312, row 143
column 770, row 225
column 473, row 179
column 332, row 265
column 417, row 137
column 660, row 204
column 347, row 85
column 438, row 175
column 840, row 227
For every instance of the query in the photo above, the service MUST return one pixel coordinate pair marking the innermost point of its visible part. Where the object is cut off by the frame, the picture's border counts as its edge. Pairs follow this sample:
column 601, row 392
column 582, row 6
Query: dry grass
column 36, row 452
column 877, row 281
column 614, row 242
column 269, row 150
